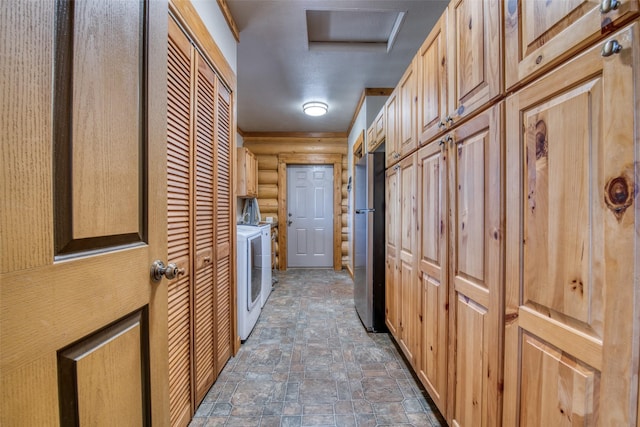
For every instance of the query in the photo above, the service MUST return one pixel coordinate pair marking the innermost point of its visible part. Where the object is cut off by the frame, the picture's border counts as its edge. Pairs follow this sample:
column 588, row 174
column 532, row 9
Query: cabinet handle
column 442, row 141
column 608, row 5
column 449, row 120
column 611, row 47
column 441, row 124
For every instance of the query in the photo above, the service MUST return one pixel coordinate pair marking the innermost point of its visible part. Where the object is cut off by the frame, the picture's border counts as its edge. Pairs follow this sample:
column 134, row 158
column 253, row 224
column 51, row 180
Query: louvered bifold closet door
column 204, row 229
column 178, row 223
column 224, row 227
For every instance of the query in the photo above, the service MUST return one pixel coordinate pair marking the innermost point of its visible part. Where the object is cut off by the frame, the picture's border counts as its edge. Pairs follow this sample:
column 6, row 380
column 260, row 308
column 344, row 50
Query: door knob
column 289, row 222
column 158, row 270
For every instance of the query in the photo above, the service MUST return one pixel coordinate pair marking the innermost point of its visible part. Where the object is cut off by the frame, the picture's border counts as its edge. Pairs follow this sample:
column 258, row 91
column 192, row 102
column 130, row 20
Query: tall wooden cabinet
column 199, row 192
column 393, row 290
column 573, row 332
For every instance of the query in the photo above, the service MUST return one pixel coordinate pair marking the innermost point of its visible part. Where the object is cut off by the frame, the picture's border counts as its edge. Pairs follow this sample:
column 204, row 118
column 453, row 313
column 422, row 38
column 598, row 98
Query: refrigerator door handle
column 363, row 211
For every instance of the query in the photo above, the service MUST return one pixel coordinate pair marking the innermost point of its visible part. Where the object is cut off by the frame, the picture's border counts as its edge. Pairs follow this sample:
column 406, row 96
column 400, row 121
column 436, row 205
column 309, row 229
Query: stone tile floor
column 309, row 362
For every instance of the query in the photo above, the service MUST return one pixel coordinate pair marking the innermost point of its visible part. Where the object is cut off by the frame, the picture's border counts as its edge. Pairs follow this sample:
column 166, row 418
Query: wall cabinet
column 376, row 132
column 391, row 145
column 540, row 35
column 432, row 83
column 200, row 224
column 572, row 334
column 474, row 56
column 407, row 114
column 247, row 184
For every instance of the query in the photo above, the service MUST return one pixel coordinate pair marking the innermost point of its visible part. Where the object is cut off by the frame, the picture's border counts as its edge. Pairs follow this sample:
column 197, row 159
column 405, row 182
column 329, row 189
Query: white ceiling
column 278, row 71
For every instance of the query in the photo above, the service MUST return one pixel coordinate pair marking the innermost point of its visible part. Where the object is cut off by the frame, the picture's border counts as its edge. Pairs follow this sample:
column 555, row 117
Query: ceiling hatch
column 353, row 30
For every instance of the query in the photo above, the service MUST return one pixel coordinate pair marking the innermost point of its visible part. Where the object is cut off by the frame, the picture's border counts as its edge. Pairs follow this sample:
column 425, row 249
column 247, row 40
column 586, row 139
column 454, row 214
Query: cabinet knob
column 611, row 47
column 441, row 124
column 608, row 5
column 449, row 120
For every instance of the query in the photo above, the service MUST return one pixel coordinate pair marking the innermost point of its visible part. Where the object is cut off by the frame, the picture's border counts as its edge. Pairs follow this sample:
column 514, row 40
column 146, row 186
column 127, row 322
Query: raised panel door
column 391, row 145
column 392, row 235
column 475, row 178
column 432, row 82
column 410, row 304
column 572, row 298
column 407, row 114
column 474, row 54
column 432, row 266
column 539, row 35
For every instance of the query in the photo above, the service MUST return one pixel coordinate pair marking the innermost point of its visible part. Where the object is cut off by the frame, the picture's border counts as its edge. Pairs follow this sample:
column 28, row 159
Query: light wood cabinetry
column 539, row 35
column 432, row 83
column 476, row 279
column 376, row 132
column 407, row 114
column 392, row 286
column 573, row 333
column 391, row 145
column 200, row 223
column 247, row 173
column 474, row 56
column 433, row 250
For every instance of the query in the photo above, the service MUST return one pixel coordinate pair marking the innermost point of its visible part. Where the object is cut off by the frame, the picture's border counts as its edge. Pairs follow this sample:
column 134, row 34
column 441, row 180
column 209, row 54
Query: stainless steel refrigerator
column 369, row 245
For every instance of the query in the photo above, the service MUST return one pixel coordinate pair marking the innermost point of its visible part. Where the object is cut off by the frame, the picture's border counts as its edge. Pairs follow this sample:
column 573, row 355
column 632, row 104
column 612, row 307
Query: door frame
column 334, row 160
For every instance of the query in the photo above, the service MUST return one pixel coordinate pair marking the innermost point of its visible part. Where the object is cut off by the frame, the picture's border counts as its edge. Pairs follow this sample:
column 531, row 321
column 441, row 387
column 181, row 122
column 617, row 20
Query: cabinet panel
column 432, row 82
column 408, row 110
column 392, row 145
column 247, row 173
column 392, row 288
column 410, row 312
column 472, row 361
column 432, row 259
column 379, row 126
column 570, row 261
column 540, row 34
column 474, row 54
column 476, row 266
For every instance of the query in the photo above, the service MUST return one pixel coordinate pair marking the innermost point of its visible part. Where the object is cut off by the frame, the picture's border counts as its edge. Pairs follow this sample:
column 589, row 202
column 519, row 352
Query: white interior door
column 310, row 216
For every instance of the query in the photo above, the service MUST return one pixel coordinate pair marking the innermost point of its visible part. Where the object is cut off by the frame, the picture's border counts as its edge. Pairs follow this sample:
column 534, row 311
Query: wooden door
column 391, row 145
column 573, row 331
column 407, row 115
column 539, row 35
column 83, row 326
column 432, row 83
column 392, row 236
column 476, row 290
column 474, row 53
column 432, row 229
column 411, row 297
column 310, row 216
column 225, row 269
column 180, row 224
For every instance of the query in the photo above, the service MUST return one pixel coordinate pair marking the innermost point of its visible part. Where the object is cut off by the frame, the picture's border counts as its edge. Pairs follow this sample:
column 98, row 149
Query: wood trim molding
column 300, row 135
column 224, row 7
column 369, row 91
column 188, row 18
column 310, row 159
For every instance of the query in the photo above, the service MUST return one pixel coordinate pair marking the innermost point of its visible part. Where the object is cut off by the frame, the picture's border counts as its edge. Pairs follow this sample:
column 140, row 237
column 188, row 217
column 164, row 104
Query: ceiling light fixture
column 315, row 108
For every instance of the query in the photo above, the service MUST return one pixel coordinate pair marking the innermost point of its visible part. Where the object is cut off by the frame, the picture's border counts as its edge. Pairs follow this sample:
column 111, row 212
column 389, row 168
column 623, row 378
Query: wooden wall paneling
column 432, row 82
column 179, row 225
column 476, row 277
column 538, row 37
column 433, row 246
column 474, row 53
column 572, row 300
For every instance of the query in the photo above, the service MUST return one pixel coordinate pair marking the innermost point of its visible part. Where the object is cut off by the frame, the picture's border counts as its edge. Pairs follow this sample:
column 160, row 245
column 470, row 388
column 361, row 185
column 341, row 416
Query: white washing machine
column 249, row 279
column 263, row 258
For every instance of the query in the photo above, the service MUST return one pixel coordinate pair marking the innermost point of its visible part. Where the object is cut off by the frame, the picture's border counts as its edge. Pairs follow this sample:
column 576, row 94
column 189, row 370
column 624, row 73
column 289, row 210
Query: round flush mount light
column 315, row 108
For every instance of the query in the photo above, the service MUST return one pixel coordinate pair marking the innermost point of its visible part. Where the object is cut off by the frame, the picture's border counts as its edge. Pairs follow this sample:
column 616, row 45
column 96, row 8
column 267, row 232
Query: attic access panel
column 354, row 30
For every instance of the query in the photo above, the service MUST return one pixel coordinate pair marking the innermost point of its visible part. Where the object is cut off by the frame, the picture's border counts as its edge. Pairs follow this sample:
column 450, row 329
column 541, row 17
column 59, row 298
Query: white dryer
column 249, row 279
column 262, row 258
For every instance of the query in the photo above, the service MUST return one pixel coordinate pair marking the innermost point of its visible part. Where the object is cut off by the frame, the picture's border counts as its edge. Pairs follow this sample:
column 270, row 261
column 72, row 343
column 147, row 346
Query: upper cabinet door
column 540, row 34
column 573, row 332
column 408, row 104
column 391, row 120
column 432, row 82
column 475, row 57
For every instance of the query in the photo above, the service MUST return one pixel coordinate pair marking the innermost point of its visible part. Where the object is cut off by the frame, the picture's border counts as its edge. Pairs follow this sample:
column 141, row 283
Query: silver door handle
column 158, row 270
column 289, row 222
column 364, row 211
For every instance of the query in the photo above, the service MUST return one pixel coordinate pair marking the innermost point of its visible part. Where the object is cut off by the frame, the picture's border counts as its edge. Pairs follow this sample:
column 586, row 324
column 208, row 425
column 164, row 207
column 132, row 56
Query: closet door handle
column 158, row 269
